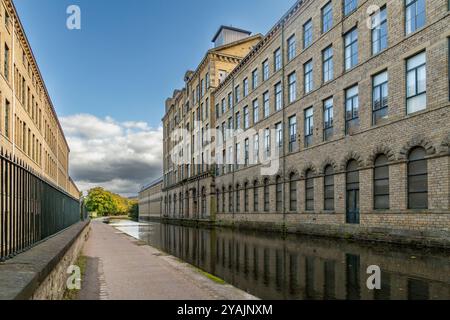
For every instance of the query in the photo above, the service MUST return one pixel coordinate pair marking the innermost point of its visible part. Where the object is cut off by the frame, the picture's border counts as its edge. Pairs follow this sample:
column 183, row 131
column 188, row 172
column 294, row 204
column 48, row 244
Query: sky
column 109, row 80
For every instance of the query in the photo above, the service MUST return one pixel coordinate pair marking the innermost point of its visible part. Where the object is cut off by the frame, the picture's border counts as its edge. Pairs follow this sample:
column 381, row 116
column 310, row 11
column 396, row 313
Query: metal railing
column 31, row 209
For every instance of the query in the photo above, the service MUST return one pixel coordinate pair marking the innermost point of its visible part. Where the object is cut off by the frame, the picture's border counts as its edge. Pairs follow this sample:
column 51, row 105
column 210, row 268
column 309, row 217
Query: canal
column 270, row 266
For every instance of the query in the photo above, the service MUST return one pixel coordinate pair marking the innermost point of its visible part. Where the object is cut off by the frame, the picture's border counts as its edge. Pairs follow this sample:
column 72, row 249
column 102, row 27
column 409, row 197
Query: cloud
column 119, row 156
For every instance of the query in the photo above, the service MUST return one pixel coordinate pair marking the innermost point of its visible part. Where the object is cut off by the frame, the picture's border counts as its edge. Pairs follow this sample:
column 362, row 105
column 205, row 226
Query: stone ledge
column 22, row 275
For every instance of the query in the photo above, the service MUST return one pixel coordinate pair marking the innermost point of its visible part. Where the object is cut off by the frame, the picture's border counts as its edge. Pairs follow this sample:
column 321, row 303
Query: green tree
column 134, row 212
column 101, row 201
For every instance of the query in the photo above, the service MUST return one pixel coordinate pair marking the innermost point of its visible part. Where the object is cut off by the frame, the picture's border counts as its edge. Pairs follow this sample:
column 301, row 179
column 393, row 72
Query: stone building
column 150, row 201
column 29, row 126
column 189, row 186
column 350, row 101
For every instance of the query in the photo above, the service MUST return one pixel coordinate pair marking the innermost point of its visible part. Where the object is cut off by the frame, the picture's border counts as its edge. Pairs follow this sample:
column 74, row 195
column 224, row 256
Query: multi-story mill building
column 351, row 98
column 29, row 127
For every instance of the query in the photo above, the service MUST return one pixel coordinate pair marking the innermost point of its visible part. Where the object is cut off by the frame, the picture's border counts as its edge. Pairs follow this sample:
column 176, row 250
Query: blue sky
column 127, row 59
column 109, row 80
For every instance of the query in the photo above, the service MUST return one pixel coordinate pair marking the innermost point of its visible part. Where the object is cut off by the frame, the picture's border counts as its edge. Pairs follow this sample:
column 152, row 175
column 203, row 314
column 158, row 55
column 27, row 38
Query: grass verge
column 73, row 294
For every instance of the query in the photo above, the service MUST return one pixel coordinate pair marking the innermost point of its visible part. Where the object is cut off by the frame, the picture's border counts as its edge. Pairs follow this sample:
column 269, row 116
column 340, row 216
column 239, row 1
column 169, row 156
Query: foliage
column 134, row 213
column 106, row 203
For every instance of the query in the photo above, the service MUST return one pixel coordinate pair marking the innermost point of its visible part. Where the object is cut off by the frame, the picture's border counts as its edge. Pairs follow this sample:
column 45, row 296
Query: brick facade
column 394, row 136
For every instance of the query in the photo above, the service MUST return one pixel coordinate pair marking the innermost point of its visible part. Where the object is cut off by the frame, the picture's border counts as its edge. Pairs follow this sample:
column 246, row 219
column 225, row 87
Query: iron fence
column 31, row 208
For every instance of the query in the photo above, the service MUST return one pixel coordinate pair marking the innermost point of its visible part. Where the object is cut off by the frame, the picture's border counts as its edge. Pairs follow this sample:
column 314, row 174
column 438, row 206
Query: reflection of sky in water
column 132, row 228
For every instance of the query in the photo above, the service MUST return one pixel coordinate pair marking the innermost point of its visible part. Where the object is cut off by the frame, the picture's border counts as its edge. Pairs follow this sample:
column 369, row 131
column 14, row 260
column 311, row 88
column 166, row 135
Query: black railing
column 31, row 209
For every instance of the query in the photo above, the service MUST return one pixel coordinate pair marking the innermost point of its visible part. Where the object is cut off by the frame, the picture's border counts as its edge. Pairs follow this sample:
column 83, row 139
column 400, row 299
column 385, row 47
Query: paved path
column 121, row 268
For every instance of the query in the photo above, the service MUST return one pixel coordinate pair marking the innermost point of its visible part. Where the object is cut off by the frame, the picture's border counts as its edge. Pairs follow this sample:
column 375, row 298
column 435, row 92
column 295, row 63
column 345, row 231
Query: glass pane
column 417, row 103
column 418, row 201
column 418, row 183
column 382, row 202
column 381, row 187
column 418, row 167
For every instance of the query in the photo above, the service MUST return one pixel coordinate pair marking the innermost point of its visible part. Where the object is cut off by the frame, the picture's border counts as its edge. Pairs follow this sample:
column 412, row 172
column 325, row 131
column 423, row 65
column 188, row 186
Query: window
column 417, row 179
column 350, row 6
column 246, row 118
column 246, row 152
column 238, row 121
column 266, row 196
column 223, row 106
column 292, row 193
column 230, row 100
column 266, row 105
column 292, row 134
column 277, row 59
column 265, row 70
column 223, row 200
column 307, row 34
column 351, row 48
column 279, row 135
column 238, row 199
column 292, row 80
column 245, row 87
column 380, row 97
column 327, row 17
column 255, row 197
column 381, row 183
column 292, row 47
column 308, row 76
column 416, row 83
column 255, row 79
column 329, row 188
column 237, row 94
column 255, row 111
column 328, row 119
column 246, row 197
column 327, row 65
column 379, row 31
column 279, row 195
column 7, row 117
column 278, row 97
column 309, row 195
column 267, row 143
column 415, row 15
column 256, row 148
column 351, row 110
column 6, row 61
column 207, row 81
column 230, row 200
column 217, row 111
column 309, row 126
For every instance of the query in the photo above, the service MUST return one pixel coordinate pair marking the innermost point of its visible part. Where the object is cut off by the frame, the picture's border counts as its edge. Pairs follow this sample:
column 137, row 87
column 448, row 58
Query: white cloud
column 118, row 156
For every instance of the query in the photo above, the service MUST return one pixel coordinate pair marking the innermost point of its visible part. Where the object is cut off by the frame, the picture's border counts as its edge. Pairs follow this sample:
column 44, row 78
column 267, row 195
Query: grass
column 211, row 277
column 73, row 294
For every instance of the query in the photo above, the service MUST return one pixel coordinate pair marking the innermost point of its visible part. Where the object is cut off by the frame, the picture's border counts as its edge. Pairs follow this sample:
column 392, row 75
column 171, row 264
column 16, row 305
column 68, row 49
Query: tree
column 100, row 201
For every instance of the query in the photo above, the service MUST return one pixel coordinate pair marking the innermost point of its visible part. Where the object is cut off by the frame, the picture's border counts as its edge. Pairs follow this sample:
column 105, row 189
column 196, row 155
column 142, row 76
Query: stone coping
column 22, row 275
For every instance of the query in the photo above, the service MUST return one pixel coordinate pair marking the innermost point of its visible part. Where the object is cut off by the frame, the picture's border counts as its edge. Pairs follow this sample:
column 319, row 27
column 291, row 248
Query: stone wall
column 41, row 272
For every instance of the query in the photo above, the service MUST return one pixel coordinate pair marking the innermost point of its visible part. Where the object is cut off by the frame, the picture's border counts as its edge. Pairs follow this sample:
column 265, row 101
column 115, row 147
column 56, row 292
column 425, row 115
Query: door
column 353, row 206
column 352, row 193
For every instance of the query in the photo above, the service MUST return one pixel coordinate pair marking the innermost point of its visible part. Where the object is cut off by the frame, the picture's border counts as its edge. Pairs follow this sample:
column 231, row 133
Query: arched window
column 246, row 209
column 329, row 188
column 223, row 199
column 217, row 200
column 255, row 197
column 352, row 192
column 186, row 198
column 230, row 199
column 204, row 202
column 238, row 198
column 181, row 205
column 170, row 205
column 381, row 183
column 417, row 179
column 309, row 191
column 174, row 205
column 292, row 193
column 195, row 202
column 279, row 195
column 266, row 196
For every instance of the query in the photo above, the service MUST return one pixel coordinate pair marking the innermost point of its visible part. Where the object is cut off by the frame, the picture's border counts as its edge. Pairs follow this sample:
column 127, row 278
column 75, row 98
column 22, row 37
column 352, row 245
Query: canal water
column 270, row 266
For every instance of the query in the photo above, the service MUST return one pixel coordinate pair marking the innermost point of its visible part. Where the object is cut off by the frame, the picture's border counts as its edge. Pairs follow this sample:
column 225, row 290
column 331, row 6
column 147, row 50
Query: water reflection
column 271, row 267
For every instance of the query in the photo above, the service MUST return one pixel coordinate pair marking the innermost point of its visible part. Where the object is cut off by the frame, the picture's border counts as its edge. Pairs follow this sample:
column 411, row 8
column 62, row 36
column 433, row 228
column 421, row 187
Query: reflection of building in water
column 306, row 268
